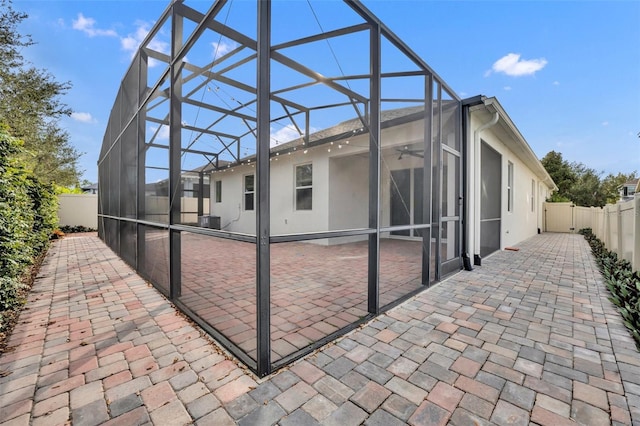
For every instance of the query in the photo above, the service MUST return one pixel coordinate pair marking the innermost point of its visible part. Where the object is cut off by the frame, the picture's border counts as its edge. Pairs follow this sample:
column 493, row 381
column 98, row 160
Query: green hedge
column 623, row 283
column 68, row 229
column 28, row 216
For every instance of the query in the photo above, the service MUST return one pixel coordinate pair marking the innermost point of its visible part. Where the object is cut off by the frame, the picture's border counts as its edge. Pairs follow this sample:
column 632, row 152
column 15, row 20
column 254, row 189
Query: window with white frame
column 304, row 187
column 533, row 195
column 510, row 186
column 249, row 192
column 218, row 189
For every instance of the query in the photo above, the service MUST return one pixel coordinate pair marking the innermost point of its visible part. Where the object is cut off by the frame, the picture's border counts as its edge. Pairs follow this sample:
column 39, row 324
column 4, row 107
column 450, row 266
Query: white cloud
column 83, row 117
column 163, row 134
column 159, row 46
column 513, row 66
column 132, row 41
column 556, row 83
column 507, row 88
column 86, row 25
column 605, row 123
column 285, row 134
column 129, row 43
column 222, row 48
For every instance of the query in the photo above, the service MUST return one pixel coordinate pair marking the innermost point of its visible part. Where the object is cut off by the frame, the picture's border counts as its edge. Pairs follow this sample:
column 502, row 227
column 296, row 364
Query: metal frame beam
column 427, row 165
column 323, row 36
column 263, row 229
column 375, row 144
column 142, row 161
column 175, row 145
column 395, row 40
column 437, row 182
column 178, row 86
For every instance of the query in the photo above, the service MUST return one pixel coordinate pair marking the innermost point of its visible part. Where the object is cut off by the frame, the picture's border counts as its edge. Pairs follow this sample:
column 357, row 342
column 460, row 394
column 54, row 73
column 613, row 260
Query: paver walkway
column 528, row 338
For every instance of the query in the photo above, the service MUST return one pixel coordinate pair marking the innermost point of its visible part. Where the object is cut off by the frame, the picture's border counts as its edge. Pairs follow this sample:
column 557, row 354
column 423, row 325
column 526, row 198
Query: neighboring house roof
column 209, row 167
column 632, row 183
column 511, row 136
column 92, row 187
column 628, row 189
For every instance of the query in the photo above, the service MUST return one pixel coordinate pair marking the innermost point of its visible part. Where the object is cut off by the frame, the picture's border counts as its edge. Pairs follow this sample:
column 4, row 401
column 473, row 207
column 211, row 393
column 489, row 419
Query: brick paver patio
column 528, row 338
column 315, row 289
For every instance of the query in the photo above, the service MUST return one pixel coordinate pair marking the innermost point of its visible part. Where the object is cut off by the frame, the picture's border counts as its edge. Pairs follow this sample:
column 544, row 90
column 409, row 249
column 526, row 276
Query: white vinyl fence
column 157, row 208
column 82, row 209
column 78, row 209
column 617, row 225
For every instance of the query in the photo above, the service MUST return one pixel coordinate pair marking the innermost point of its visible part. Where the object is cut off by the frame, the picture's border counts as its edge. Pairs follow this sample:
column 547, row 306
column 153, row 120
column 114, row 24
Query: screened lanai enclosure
column 281, row 171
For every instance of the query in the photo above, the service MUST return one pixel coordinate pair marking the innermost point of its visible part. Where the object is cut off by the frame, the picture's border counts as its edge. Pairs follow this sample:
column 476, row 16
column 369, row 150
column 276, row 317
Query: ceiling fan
column 411, row 152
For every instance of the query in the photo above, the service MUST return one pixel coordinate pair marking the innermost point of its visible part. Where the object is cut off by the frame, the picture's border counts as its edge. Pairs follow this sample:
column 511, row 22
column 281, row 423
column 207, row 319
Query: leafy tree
column 59, row 161
column 587, row 189
column 10, row 40
column 67, row 190
column 561, row 172
column 557, row 198
column 580, row 184
column 30, row 104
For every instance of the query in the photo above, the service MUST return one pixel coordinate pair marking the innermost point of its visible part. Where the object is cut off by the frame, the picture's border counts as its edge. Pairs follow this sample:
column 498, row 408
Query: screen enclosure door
column 490, row 200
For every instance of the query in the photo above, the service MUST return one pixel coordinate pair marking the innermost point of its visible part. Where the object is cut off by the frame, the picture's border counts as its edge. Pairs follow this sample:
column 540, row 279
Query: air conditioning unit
column 211, row 222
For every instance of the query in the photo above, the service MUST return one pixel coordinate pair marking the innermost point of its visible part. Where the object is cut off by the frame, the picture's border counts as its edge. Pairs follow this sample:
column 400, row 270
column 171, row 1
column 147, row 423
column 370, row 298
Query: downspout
column 477, row 187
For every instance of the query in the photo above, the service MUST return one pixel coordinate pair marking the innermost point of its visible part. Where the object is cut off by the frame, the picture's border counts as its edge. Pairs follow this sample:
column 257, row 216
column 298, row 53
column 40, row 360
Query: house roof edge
column 522, row 148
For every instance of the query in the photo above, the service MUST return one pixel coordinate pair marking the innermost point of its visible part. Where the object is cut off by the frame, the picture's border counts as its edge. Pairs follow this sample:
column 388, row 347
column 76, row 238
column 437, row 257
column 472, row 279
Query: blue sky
column 566, row 72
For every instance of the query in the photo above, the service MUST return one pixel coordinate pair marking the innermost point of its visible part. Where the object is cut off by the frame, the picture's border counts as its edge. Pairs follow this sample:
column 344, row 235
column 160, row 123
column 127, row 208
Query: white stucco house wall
column 338, row 160
column 511, row 190
column 506, row 182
